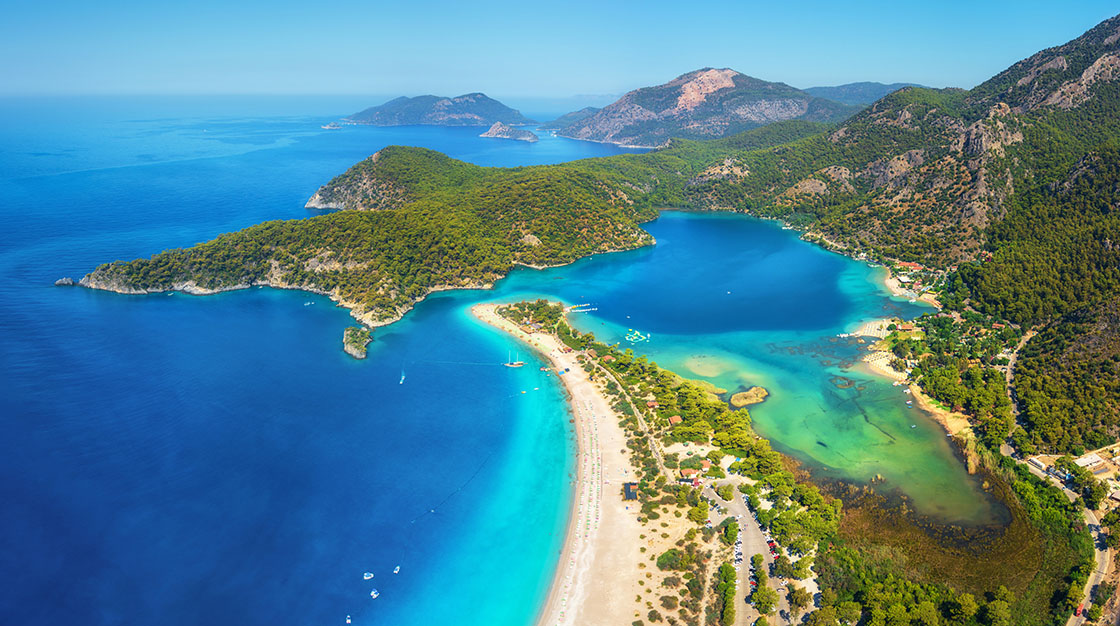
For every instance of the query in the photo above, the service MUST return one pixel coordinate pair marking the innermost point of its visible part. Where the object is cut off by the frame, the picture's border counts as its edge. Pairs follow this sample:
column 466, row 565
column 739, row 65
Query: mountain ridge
column 702, row 104
column 858, row 93
column 949, row 178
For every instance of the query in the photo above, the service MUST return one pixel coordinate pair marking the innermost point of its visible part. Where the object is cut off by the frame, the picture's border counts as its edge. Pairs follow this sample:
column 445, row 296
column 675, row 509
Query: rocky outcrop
column 65, row 281
column 1074, row 92
column 354, row 341
column 754, row 395
column 502, row 131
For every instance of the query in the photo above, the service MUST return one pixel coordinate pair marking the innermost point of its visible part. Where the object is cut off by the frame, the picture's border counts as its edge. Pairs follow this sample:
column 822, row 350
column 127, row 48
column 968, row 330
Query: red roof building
column 653, row 405
column 674, row 419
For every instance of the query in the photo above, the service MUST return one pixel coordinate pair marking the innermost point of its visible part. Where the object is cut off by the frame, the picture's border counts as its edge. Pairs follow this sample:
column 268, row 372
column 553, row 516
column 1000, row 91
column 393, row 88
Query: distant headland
column 472, row 109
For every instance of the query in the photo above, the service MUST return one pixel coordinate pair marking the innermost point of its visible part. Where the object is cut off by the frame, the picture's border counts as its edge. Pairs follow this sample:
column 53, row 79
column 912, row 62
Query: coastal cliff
column 354, row 341
column 502, row 131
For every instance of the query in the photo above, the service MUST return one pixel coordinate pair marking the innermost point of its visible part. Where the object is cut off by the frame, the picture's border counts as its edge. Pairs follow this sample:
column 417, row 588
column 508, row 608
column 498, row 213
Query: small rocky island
column 754, row 395
column 503, row 131
column 354, row 341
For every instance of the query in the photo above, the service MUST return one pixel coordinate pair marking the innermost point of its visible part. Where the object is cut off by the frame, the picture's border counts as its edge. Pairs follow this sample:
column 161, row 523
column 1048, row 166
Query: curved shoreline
column 601, row 549
column 877, row 363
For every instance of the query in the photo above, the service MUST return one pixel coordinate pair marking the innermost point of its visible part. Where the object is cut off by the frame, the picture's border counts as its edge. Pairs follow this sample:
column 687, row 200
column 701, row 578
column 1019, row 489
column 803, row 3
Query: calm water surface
column 181, row 460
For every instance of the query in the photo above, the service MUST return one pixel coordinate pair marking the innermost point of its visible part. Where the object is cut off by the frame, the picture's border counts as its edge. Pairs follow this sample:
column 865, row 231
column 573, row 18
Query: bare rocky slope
column 703, row 104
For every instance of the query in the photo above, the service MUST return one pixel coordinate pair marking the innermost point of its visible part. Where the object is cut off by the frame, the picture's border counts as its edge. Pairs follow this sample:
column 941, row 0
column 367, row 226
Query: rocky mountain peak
column 700, row 85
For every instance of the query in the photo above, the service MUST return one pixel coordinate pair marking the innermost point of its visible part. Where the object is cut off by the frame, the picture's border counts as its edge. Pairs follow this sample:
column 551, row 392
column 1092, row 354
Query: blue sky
column 511, row 49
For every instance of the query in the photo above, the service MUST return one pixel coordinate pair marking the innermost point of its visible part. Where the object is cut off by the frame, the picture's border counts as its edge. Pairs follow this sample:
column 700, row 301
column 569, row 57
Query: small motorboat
column 367, row 576
column 373, row 594
column 397, row 569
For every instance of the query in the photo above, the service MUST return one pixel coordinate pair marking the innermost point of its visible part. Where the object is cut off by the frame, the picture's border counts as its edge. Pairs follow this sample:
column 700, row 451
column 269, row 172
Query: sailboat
column 511, row 363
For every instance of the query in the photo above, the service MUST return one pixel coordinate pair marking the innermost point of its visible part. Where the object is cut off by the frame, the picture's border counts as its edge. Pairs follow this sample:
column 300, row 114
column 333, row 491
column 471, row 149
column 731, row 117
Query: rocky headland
column 472, row 109
column 504, row 131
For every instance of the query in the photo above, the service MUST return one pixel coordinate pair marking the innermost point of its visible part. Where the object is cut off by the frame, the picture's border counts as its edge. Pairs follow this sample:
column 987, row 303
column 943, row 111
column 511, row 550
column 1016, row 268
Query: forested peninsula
column 957, row 180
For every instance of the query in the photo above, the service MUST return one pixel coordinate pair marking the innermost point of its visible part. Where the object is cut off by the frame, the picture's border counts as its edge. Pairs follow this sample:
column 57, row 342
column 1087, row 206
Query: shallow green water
column 740, row 302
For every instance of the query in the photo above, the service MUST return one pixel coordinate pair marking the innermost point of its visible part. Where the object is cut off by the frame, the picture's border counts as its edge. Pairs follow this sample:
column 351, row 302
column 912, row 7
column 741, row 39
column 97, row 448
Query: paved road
column 1100, row 546
column 754, row 542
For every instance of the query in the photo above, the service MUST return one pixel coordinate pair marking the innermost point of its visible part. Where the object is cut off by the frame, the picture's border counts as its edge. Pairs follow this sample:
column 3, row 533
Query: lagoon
column 188, row 460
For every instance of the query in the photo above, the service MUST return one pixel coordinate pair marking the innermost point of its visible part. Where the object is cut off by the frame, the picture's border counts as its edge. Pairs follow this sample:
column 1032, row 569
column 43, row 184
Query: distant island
column 502, row 131
column 860, row 94
column 704, row 104
column 472, row 109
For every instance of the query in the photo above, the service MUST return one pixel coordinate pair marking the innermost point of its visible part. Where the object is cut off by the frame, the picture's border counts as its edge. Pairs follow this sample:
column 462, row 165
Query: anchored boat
column 511, row 363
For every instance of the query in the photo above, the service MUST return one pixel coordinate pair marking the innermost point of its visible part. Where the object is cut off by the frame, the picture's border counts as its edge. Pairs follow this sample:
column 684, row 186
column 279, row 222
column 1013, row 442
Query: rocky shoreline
column 367, row 318
column 504, row 131
column 354, row 341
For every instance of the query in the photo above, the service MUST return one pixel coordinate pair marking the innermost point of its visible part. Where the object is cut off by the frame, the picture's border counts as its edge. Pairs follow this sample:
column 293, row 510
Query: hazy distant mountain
column 858, row 93
column 568, row 119
column 472, row 109
column 702, row 104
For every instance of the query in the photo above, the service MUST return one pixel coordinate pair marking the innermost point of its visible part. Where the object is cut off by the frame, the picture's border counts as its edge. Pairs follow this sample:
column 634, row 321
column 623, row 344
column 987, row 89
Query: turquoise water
column 182, row 460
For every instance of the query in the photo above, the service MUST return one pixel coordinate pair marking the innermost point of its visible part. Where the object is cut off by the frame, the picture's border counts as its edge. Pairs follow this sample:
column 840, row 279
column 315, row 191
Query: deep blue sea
column 219, row 460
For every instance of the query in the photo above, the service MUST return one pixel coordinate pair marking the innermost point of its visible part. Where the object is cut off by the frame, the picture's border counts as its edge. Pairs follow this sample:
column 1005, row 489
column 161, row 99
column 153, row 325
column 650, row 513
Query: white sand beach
column 597, row 574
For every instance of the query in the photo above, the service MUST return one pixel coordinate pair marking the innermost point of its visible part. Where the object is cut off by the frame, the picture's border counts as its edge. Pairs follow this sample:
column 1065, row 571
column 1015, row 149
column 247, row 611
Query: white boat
column 402, row 377
column 374, row 594
column 367, row 576
column 397, row 569
column 347, row 619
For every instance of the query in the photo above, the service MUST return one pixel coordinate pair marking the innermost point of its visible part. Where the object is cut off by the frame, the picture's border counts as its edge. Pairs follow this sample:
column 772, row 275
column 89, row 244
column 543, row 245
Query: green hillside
column 1014, row 182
